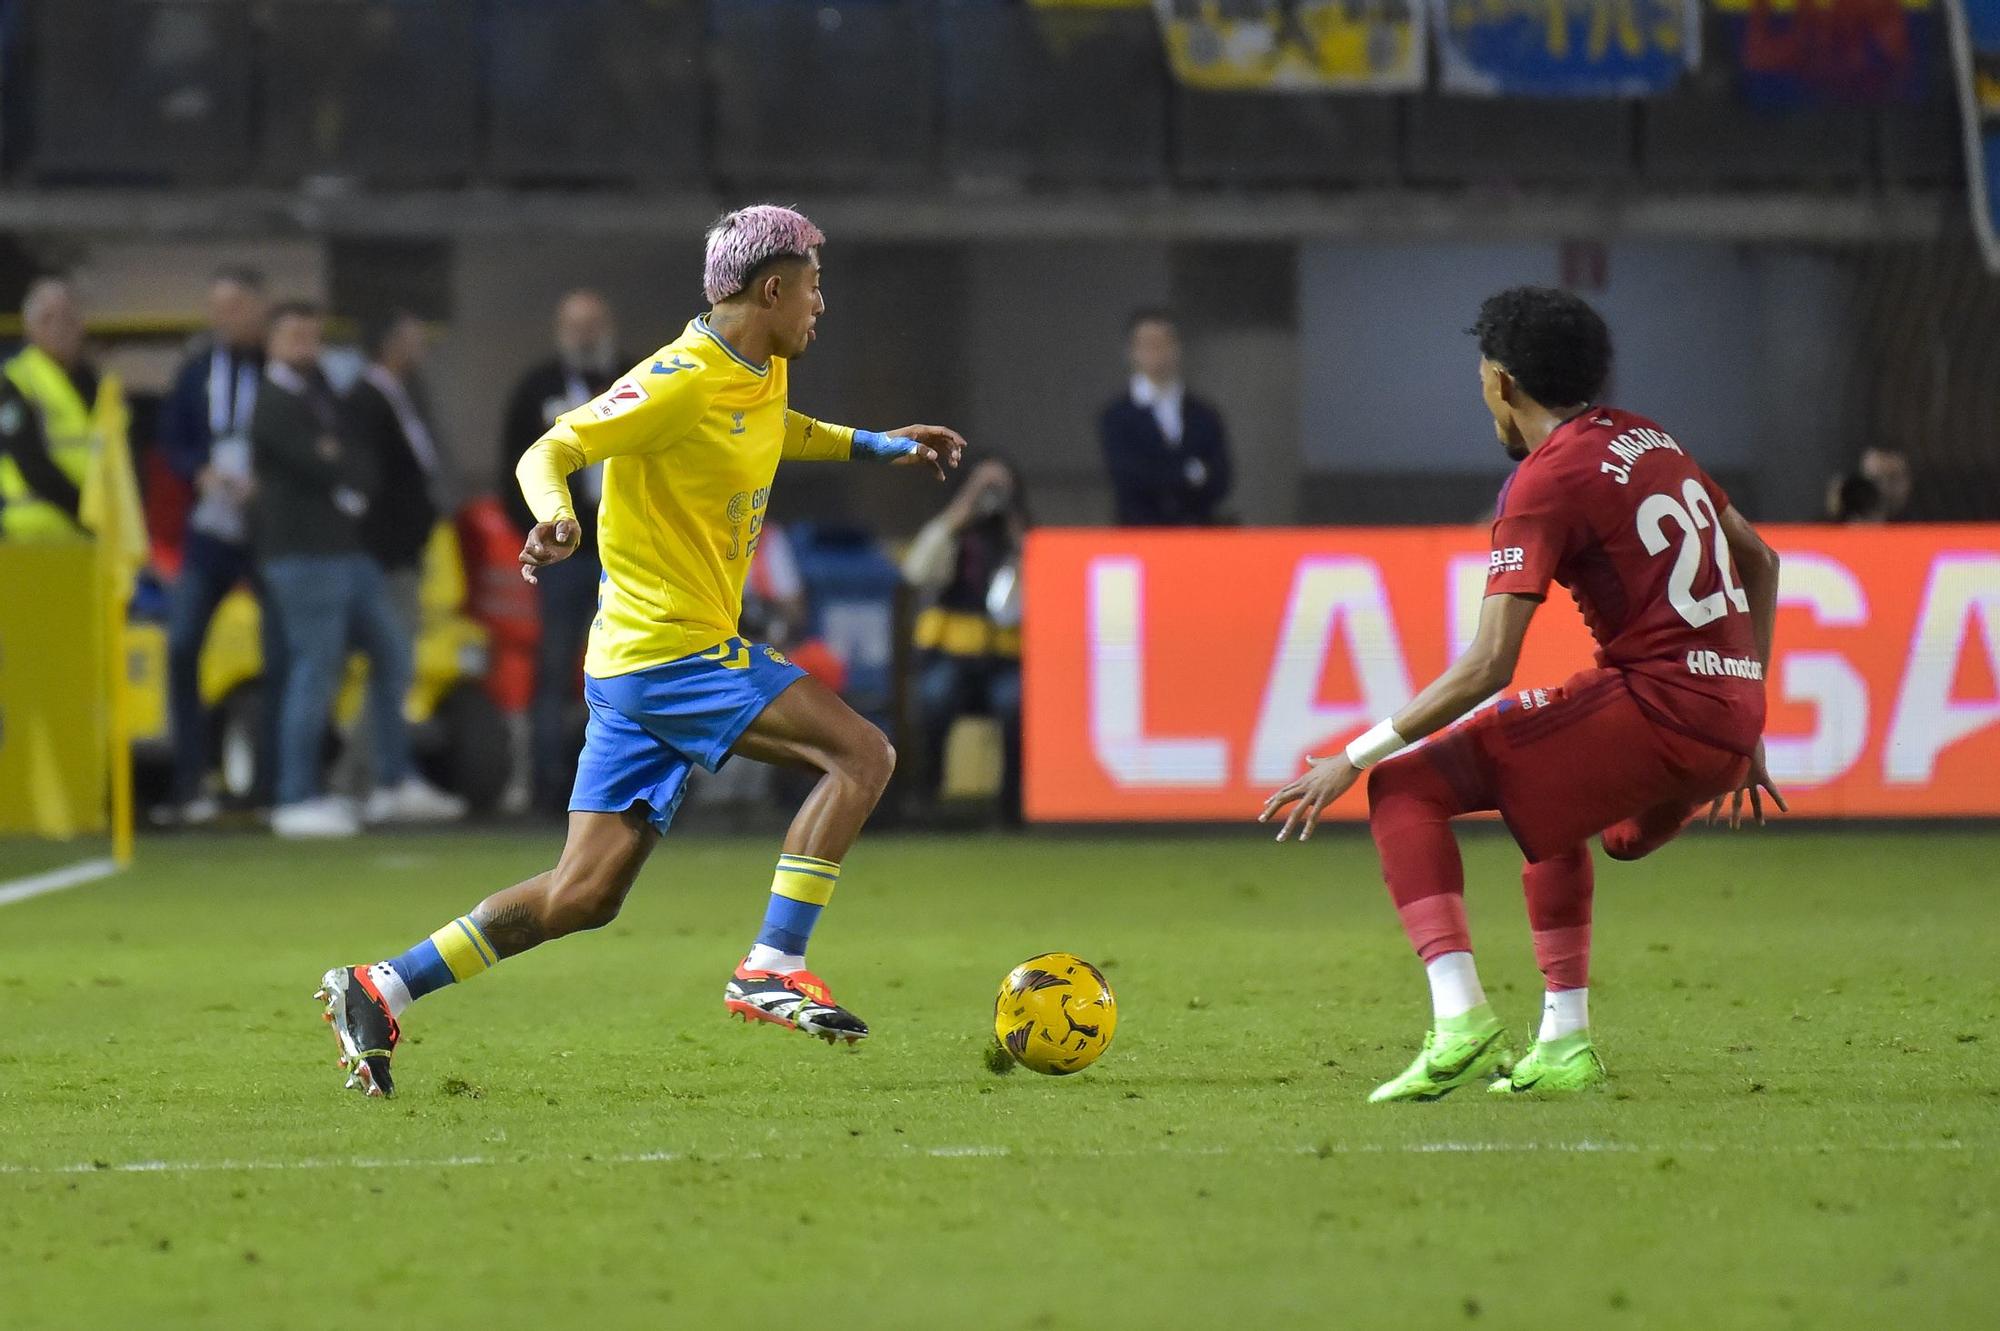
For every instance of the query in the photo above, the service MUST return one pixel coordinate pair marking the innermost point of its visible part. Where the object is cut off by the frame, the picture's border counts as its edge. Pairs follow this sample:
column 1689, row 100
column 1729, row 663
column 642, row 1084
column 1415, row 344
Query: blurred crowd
column 326, row 593
column 319, row 500
column 316, row 524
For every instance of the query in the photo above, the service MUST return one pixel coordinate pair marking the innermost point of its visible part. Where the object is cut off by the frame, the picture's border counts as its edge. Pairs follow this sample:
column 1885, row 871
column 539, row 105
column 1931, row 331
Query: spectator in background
column 1165, row 448
column 968, row 640
column 389, row 415
column 26, row 466
column 313, row 488
column 1889, row 472
column 205, row 439
column 1877, row 490
column 388, row 418
column 587, row 361
column 56, row 413
column 1856, row 499
column 775, row 609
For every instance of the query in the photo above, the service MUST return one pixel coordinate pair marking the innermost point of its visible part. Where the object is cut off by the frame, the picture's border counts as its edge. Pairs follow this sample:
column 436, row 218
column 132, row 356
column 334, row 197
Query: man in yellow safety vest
column 62, row 428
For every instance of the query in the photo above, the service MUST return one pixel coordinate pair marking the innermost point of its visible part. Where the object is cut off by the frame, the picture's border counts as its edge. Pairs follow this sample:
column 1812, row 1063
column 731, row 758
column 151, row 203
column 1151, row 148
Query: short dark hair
column 1556, row 347
column 295, row 309
column 764, row 267
column 1151, row 314
column 1857, row 499
column 242, row 275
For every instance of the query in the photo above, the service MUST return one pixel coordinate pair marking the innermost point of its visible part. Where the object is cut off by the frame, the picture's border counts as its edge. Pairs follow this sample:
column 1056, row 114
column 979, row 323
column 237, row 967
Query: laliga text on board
column 1183, row 675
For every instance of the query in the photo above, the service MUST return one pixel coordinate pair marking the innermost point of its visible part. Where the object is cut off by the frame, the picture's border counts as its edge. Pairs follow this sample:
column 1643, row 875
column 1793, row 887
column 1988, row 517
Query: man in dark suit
column 1165, row 448
column 586, row 362
column 205, row 438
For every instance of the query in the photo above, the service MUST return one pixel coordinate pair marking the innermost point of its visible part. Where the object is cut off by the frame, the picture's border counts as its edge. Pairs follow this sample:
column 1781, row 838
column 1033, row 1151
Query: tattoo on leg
column 512, row 928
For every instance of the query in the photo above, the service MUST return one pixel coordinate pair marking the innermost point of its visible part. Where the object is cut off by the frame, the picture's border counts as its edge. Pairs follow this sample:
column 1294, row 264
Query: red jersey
column 1612, row 508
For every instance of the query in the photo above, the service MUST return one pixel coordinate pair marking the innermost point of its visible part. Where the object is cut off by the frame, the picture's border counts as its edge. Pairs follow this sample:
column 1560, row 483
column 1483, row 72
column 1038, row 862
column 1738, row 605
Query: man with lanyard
column 586, row 362
column 56, row 412
column 205, row 438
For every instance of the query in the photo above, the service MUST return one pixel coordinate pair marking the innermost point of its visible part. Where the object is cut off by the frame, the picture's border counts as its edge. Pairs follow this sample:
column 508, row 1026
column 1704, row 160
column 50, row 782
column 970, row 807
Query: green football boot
column 1456, row 1051
column 1555, row 1067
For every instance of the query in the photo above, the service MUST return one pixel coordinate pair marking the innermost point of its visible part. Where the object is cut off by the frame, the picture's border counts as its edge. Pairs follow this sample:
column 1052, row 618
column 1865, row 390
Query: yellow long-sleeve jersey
column 690, row 441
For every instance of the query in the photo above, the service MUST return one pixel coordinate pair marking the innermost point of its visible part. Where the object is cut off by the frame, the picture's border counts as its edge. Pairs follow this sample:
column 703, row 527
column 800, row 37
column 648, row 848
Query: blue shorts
column 647, row 729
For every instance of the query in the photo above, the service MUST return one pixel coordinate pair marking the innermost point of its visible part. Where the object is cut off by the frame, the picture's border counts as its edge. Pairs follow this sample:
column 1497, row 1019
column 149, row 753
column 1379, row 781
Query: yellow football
column 1055, row 1014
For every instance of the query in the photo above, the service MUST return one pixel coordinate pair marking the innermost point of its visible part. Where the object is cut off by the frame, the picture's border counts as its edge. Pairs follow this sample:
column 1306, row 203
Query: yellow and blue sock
column 456, row 952
column 800, row 890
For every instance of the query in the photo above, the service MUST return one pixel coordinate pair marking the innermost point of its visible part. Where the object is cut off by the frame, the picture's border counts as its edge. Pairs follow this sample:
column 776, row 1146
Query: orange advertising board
column 1187, row 674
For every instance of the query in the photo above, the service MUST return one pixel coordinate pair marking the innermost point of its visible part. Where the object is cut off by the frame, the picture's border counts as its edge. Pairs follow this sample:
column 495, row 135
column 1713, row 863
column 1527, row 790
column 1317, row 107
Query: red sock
column 1410, row 808
column 1559, row 893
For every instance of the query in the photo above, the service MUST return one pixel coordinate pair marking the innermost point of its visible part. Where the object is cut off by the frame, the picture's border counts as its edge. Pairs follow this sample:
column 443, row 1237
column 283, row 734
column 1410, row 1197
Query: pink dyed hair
column 740, row 241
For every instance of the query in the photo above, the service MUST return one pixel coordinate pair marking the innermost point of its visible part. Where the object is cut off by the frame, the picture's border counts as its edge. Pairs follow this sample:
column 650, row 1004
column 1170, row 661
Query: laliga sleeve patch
column 618, row 399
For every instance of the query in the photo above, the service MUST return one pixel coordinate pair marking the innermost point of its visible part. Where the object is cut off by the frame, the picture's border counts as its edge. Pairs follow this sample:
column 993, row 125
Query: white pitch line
column 55, row 880
column 976, row 1152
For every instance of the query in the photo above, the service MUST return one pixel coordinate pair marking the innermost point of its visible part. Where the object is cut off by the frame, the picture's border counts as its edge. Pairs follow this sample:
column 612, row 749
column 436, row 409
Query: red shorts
column 1566, row 763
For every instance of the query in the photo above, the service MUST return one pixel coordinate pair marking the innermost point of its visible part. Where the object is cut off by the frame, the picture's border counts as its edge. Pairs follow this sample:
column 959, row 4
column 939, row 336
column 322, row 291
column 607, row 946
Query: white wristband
column 1379, row 743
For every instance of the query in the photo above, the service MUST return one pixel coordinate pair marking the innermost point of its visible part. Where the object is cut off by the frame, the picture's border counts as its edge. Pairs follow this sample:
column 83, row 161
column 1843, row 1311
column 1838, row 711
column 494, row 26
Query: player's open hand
column 1323, row 783
column 1755, row 785
column 937, row 445
column 549, row 543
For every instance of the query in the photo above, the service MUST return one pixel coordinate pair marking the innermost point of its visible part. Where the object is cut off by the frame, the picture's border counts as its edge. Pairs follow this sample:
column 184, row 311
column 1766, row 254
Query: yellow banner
column 53, row 774
column 1986, row 90
column 1296, row 45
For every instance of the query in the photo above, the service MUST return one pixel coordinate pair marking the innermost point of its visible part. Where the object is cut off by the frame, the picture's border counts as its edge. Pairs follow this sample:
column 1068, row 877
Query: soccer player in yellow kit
column 690, row 440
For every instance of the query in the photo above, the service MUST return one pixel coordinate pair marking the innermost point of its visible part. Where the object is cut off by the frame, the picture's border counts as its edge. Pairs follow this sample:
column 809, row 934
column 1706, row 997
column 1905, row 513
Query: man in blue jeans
column 205, row 437
column 313, row 488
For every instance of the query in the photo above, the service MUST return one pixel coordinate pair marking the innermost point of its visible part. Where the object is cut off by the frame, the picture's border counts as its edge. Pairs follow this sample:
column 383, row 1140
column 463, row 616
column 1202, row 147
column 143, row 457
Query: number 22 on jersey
column 1694, row 513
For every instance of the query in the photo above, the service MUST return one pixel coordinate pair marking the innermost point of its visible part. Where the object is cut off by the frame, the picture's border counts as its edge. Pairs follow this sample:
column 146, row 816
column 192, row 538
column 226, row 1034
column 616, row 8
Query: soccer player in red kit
column 1679, row 593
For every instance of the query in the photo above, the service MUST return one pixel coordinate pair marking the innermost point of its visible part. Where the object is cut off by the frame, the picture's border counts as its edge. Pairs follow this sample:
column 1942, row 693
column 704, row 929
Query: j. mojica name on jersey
column 1629, row 447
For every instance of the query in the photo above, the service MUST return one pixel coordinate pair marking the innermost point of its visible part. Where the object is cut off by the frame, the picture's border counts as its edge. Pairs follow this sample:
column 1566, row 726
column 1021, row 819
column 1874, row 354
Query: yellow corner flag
column 109, row 506
column 109, row 500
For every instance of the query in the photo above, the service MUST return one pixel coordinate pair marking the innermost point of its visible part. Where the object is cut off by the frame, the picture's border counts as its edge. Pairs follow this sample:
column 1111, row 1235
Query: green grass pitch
column 1803, row 1130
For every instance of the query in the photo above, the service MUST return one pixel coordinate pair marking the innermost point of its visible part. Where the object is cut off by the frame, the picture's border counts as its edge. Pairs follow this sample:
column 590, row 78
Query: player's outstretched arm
column 935, row 446
column 808, row 440
column 1757, row 570
column 1484, row 668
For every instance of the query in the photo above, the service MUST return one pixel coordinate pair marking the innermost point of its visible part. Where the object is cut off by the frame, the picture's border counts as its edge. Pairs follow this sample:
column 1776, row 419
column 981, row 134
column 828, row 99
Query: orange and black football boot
column 797, row 1000
column 361, row 1023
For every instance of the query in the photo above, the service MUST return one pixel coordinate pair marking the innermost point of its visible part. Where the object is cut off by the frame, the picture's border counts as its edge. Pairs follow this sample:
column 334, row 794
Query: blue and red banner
column 1812, row 52
column 1565, row 48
